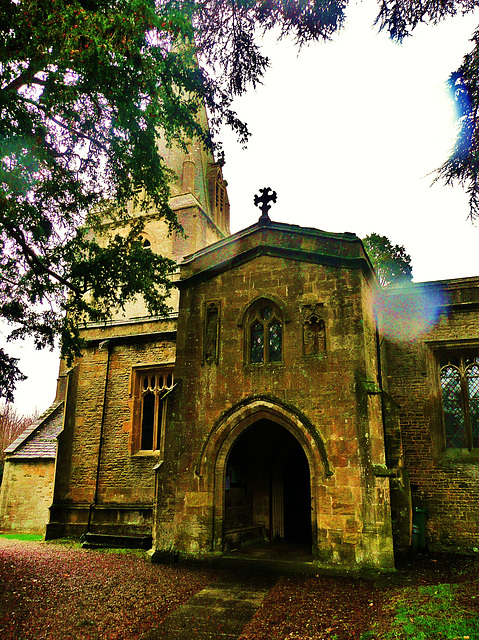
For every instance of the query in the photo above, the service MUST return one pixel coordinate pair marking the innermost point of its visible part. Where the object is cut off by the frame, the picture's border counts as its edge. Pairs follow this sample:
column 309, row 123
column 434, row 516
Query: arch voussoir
column 212, row 461
column 233, row 423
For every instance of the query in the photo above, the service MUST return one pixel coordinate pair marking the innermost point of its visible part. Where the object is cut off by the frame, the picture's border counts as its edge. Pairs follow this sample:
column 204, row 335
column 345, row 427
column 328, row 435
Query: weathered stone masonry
column 271, row 404
column 444, row 482
column 323, row 401
column 102, row 483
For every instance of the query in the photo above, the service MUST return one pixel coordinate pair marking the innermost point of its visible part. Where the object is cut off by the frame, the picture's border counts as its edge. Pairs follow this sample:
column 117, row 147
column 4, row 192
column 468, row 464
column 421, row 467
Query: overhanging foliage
column 85, row 87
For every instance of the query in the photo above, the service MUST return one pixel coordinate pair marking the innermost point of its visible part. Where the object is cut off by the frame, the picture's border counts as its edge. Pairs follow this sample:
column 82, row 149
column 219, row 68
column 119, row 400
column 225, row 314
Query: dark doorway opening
column 267, row 488
column 297, row 498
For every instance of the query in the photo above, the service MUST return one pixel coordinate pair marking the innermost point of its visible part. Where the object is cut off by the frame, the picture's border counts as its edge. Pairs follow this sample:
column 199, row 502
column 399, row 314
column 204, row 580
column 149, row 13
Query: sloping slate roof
column 40, row 439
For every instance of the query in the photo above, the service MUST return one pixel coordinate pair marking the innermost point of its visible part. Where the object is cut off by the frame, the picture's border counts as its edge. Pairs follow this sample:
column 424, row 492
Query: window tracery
column 265, row 333
column 153, row 390
column 459, row 377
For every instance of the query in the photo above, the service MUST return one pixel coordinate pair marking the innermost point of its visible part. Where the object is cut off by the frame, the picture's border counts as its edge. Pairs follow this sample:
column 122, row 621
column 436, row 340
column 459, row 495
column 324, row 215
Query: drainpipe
column 380, row 385
column 108, row 345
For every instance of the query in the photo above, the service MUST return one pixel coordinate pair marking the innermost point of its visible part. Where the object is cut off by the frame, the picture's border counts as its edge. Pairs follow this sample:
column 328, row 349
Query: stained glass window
column 266, row 334
column 460, row 400
column 275, row 331
column 257, row 342
column 472, row 376
column 266, row 313
column 454, row 419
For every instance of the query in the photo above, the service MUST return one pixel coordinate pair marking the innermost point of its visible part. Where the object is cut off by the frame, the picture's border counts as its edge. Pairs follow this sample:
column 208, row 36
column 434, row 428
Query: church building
column 287, row 397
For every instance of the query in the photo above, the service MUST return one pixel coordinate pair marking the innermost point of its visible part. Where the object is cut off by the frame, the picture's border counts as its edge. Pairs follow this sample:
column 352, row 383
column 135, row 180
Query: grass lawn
column 21, row 536
column 446, row 611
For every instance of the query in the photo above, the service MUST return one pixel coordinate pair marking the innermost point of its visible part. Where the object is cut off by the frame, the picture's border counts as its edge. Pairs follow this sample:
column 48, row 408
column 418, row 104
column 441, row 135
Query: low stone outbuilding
column 27, row 487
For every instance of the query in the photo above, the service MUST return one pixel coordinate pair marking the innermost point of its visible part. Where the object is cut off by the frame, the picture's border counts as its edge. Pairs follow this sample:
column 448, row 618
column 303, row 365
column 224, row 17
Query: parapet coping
column 347, row 236
column 129, row 321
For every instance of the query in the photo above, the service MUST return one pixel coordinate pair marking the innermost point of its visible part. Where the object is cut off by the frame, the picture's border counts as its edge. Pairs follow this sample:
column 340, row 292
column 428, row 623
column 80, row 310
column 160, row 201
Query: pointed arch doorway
column 267, row 495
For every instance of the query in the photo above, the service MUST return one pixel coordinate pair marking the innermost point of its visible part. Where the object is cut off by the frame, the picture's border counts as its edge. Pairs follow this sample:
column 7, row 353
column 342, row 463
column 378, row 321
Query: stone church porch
column 263, row 486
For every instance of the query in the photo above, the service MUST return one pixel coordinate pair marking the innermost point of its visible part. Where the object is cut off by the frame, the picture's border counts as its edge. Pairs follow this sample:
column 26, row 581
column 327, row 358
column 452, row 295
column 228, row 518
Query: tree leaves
column 391, row 262
column 463, row 164
column 10, row 374
column 85, row 88
column 401, row 17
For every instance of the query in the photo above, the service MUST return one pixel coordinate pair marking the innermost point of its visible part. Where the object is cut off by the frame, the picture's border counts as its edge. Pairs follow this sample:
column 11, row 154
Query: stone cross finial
column 263, row 203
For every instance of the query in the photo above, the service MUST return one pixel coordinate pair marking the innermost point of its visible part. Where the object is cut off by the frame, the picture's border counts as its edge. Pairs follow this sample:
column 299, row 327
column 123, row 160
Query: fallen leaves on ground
column 335, row 608
column 51, row 592
column 314, row 608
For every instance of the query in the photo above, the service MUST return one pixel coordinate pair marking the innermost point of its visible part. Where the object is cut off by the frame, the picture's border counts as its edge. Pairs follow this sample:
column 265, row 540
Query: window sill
column 260, row 366
column 460, row 456
column 146, row 454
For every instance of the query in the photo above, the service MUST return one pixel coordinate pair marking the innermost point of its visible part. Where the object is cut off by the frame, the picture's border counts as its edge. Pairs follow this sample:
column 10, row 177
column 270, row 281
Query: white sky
column 347, row 133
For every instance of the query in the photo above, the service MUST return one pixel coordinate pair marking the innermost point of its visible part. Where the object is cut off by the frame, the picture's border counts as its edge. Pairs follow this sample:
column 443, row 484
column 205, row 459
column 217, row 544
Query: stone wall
column 102, row 483
column 26, row 495
column 444, row 482
column 329, row 401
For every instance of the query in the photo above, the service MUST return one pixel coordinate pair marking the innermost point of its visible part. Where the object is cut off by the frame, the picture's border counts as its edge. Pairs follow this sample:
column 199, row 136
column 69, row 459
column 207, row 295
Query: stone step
column 99, row 540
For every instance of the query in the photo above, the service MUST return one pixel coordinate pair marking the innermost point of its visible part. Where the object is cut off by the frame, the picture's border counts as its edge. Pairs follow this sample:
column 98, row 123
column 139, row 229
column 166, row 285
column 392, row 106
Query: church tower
column 116, row 396
column 198, row 197
column 200, row 201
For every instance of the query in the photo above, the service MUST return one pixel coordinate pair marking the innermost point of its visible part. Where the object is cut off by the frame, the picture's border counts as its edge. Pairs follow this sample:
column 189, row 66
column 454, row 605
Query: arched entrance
column 285, row 424
column 267, row 488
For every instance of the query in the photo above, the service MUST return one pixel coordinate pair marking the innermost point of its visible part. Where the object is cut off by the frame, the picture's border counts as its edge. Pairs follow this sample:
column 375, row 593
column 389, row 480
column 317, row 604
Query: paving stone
column 217, row 612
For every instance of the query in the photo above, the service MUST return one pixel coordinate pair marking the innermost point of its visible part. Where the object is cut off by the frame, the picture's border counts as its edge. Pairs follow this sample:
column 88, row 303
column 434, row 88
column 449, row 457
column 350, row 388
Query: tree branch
column 63, row 125
column 26, row 77
column 33, row 259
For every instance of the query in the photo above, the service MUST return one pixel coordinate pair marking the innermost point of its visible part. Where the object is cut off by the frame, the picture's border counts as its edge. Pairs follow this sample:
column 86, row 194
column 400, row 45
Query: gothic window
column 211, row 332
column 220, row 201
column 154, row 388
column 265, row 339
column 459, row 376
column 218, row 196
column 146, row 240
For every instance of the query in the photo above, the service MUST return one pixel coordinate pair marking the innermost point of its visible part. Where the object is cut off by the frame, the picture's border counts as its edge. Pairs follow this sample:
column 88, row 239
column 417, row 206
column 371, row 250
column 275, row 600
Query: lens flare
column 409, row 310
column 460, row 95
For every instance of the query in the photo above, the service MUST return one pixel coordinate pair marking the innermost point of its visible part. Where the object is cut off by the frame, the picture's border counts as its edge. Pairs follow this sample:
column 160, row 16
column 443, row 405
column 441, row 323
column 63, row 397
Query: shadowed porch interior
column 267, row 491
